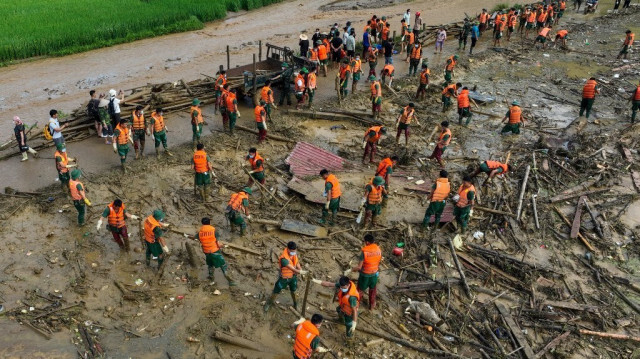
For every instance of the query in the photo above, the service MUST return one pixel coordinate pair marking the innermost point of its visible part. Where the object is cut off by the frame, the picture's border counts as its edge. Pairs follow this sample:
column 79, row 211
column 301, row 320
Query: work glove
column 265, row 125
column 316, row 281
column 115, row 147
column 165, row 225
column 71, row 166
column 322, row 350
column 303, row 272
column 326, row 205
column 299, row 321
column 165, row 250
column 347, row 272
column 353, row 327
column 134, row 217
column 471, row 213
column 249, row 217
column 99, row 224
column 252, row 172
column 364, row 144
column 87, row 202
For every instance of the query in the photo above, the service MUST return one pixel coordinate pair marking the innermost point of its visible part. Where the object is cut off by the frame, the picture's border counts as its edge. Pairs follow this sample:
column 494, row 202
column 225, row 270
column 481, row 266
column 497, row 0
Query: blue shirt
column 475, row 32
column 365, row 40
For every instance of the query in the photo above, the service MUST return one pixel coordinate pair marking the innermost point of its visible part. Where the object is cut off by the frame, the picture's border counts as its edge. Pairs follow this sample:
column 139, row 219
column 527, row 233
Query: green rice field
column 32, row 28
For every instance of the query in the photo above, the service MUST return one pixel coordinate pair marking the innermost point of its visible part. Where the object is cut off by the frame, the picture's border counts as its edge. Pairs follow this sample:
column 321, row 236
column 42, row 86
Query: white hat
column 112, row 93
column 303, row 37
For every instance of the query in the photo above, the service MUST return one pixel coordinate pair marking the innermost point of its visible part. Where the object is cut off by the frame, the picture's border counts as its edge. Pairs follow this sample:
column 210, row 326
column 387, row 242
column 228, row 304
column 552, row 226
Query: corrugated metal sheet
column 307, row 160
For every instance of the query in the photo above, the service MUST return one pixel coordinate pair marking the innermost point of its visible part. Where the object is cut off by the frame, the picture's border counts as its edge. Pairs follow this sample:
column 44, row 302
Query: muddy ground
column 552, row 284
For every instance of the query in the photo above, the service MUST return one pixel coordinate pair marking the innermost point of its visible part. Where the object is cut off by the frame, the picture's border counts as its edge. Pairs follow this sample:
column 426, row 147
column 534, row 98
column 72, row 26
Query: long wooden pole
column 522, row 191
column 228, row 58
column 459, row 267
column 306, row 293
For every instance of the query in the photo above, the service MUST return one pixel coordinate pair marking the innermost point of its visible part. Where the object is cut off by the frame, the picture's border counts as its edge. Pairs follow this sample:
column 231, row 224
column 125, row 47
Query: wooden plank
column 566, row 196
column 575, row 226
column 306, row 229
column 516, row 331
column 582, row 238
column 572, row 306
column 627, row 154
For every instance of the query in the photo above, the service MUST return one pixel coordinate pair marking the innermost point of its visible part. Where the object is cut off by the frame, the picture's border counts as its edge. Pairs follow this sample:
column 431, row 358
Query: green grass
column 32, row 28
column 505, row 6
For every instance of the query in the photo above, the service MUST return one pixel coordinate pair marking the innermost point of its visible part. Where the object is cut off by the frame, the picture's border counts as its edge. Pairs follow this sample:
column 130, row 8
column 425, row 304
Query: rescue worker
column 300, row 87
column 306, row 339
column 464, row 106
column 196, row 122
column 348, row 302
column 312, row 85
column 356, row 72
column 372, row 200
column 464, row 203
column 323, row 56
column 370, row 141
column 223, row 107
column 483, row 19
column 260, row 115
column 635, row 103
column 531, row 23
column 626, row 46
column 404, row 120
column 201, row 164
column 561, row 36
column 492, row 169
column 372, row 58
column 500, row 25
column 122, row 136
column 232, row 109
column 513, row 119
column 370, row 257
column 285, row 93
column 290, row 267
column 332, row 192
column 443, row 141
column 154, row 237
column 221, row 80
column 141, row 129
column 512, row 21
column 448, row 92
column 543, row 36
column 237, row 206
column 562, row 7
column 589, row 92
column 449, row 68
column 257, row 167
column 62, row 165
column 115, row 214
column 78, row 195
column 344, row 72
column 212, row 250
column 464, row 34
column 424, row 82
column 376, row 97
column 522, row 21
column 385, row 168
column 266, row 95
column 415, row 57
column 437, row 200
column 387, row 70
column 159, row 131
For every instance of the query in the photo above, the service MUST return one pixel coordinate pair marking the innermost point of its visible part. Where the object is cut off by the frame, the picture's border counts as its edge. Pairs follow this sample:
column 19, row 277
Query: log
column 522, row 191
column 459, row 267
column 306, row 293
column 562, row 167
column 575, row 226
column 594, row 218
column 552, row 344
column 333, row 115
column 487, row 328
column 516, row 331
column 494, row 211
column 571, row 306
column 423, row 286
column 567, row 196
column 535, row 210
column 273, row 137
column 610, row 335
column 46, row 335
column 268, row 222
column 238, row 341
column 582, row 238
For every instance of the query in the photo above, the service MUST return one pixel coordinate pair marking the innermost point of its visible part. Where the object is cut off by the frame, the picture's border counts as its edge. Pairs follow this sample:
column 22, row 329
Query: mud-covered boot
column 294, row 297
column 232, row 283
column 157, row 152
column 269, row 302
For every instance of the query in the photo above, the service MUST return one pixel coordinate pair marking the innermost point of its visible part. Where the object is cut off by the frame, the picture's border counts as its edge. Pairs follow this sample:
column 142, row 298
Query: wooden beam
column 516, row 331
column 575, row 226
column 582, row 238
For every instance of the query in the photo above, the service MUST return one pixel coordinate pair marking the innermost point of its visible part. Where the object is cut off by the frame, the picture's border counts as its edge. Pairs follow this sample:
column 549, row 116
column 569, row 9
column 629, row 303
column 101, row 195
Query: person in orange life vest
column 370, row 257
column 543, row 13
column 266, row 95
column 307, row 337
column 463, row 210
column 543, row 36
column 513, row 119
column 154, row 229
column 348, row 301
column 370, row 142
column 385, row 168
column 261, row 120
column 300, row 85
column 376, row 96
column 122, row 138
column 561, row 35
column 141, row 129
column 492, row 169
column 562, row 7
column 289, row 268
column 404, row 120
column 201, row 164
column 387, row 70
column 421, row 93
column 62, row 165
column 232, row 109
column 589, row 92
column 312, row 85
column 448, row 92
column 449, row 67
column 443, row 141
column 344, row 73
column 635, row 103
column 323, row 56
column 374, row 193
column 218, row 85
column 159, row 131
column 196, row 122
column 356, row 72
column 212, row 250
column 628, row 42
column 500, row 25
column 115, row 214
column 372, row 58
column 437, row 200
column 257, row 167
column 511, row 23
column 77, row 191
column 415, row 56
column 523, row 15
column 238, row 204
column 531, row 22
column 483, row 19
column 223, row 108
column 404, row 31
column 464, row 106
column 332, row 192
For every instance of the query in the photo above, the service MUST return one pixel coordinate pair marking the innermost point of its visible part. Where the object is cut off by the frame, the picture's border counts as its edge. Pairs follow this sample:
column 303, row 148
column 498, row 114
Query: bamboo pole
column 523, row 190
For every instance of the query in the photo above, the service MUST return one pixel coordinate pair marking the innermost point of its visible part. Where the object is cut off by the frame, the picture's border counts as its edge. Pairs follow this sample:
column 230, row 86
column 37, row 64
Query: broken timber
column 306, row 229
column 575, row 226
column 582, row 238
column 335, row 116
column 516, row 331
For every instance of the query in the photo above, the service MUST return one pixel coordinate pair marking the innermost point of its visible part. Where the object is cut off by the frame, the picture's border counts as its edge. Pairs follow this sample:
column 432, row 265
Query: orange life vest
column 229, row 102
column 377, row 136
column 311, row 79
column 299, row 84
column 62, row 165
column 389, row 69
column 404, row 31
column 412, row 38
column 253, row 162
column 463, row 192
column 407, row 115
column 375, row 194
column 376, row 89
column 258, row 112
column 199, row 118
column 123, row 135
column 383, row 166
column 371, row 55
column 589, row 89
column 313, row 56
column 483, row 17
column 562, row 33
column 372, row 257
column 138, row 121
column 424, row 76
column 495, row 164
column 158, row 124
column 285, row 272
column 385, row 33
column 236, row 200
column 381, row 26
column 208, row 240
column 447, row 90
column 149, row 225
column 335, row 186
column 532, row 17
column 416, row 52
column 343, row 299
column 265, row 95
column 544, row 32
column 356, row 66
column 463, row 99
column 76, row 194
column 515, row 115
column 306, row 332
column 628, row 41
column 220, row 82
column 563, row 5
column 343, row 71
column 636, row 97
column 322, row 52
column 116, row 218
column 513, row 20
column 542, row 17
column 200, row 161
column 445, row 132
column 443, row 187
column 451, row 64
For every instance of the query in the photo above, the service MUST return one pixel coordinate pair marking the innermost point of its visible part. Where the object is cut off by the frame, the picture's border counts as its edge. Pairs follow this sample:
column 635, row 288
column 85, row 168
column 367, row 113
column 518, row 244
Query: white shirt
column 53, row 124
column 116, row 105
column 407, row 18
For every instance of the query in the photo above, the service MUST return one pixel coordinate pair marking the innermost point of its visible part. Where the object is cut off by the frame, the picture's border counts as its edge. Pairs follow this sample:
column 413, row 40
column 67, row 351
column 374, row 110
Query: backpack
column 111, row 109
column 92, row 108
column 48, row 134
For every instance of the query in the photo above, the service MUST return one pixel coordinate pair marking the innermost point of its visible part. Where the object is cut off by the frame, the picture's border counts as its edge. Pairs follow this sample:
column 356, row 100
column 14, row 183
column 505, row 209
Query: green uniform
column 434, row 209
column 203, row 178
column 464, row 112
column 586, row 104
column 375, row 209
column 484, row 168
column 286, row 86
column 448, row 76
column 348, row 319
column 197, row 131
column 233, row 117
column 367, row 281
column 334, row 205
column 63, row 177
column 511, row 127
column 160, row 136
column 123, row 150
column 235, row 218
column 284, row 283
column 155, row 249
column 462, row 213
column 446, row 102
column 634, row 108
column 139, row 135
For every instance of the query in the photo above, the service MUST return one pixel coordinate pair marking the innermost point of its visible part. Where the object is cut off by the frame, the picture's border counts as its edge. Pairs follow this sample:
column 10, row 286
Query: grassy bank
column 33, row 28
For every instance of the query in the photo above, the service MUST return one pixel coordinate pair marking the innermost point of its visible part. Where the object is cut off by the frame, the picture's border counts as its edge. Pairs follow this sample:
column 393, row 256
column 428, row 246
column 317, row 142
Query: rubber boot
column 141, row 149
column 372, row 298
column 269, row 302
column 24, row 157
column 202, row 193
column 205, row 194
column 229, row 279
column 33, row 152
column 294, row 297
column 166, row 152
column 210, row 276
column 137, row 154
column 157, row 152
column 124, row 168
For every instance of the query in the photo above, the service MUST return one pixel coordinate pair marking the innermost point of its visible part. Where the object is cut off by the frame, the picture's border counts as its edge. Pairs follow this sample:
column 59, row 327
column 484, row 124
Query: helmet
column 318, row 42
column 60, row 146
column 247, row 190
column 377, row 180
column 195, row 102
column 75, row 174
column 262, row 103
column 417, row 13
column 515, row 103
column 112, row 93
column 455, row 57
column 372, row 78
column 285, row 65
column 158, row 215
